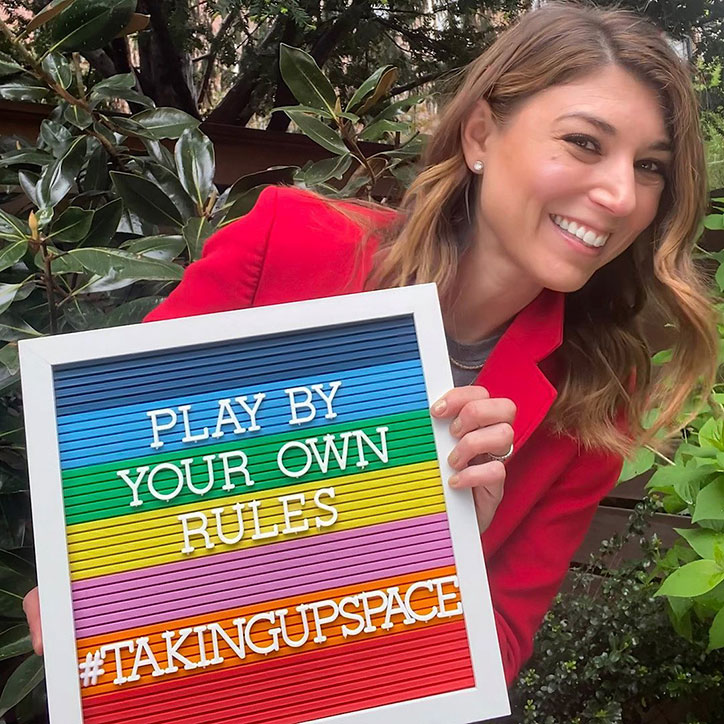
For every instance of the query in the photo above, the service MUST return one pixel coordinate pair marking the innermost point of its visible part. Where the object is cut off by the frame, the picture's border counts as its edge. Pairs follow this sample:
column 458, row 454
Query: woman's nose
column 615, row 190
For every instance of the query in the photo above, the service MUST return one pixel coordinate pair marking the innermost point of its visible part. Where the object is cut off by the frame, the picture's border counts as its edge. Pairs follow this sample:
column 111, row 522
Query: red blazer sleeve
column 526, row 572
column 227, row 275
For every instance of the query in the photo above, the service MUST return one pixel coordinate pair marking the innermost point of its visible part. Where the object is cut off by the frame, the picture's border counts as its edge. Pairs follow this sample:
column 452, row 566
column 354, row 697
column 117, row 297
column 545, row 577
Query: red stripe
column 307, row 685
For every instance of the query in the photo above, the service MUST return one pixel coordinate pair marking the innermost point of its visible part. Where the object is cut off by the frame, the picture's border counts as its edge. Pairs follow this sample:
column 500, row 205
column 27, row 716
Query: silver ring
column 502, row 458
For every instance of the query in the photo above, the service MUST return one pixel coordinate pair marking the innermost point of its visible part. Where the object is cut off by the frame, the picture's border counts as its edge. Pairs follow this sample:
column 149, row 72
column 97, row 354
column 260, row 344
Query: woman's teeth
column 587, row 236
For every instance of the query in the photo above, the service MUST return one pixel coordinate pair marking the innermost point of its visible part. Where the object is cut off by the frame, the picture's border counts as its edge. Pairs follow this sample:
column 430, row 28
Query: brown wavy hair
column 603, row 348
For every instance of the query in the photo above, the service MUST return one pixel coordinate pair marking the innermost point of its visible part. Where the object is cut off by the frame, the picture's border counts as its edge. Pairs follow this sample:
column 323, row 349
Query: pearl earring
column 478, row 166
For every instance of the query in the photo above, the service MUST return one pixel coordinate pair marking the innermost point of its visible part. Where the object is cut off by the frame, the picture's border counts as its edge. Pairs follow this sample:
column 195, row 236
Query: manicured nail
column 454, row 481
column 439, row 407
column 456, row 426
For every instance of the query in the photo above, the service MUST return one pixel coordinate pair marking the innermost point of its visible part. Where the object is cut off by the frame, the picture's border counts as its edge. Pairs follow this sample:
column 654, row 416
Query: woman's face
column 571, row 179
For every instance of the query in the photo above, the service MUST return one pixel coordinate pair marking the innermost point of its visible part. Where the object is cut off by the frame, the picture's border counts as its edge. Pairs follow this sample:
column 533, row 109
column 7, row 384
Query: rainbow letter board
column 243, row 517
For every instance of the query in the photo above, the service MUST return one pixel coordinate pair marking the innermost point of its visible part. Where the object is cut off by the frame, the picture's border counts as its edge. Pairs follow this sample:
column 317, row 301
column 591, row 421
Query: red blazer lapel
column 512, row 368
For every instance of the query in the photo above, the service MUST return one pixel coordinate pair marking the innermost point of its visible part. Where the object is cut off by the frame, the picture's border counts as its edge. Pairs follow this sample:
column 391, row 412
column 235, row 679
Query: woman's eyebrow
column 609, row 130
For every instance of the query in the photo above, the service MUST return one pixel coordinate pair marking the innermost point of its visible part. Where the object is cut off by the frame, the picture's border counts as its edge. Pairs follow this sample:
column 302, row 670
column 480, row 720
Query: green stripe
column 96, row 492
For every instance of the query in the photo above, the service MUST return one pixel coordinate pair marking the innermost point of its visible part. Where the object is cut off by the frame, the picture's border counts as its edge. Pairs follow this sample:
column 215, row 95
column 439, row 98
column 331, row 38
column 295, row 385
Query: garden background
column 130, row 130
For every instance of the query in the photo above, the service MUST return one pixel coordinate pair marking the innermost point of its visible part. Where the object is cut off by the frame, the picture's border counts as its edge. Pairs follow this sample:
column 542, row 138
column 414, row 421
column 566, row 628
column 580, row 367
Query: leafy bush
column 606, row 653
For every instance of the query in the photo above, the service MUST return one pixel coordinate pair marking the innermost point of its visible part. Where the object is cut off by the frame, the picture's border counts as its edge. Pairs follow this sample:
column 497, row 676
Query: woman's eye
column 652, row 166
column 585, row 142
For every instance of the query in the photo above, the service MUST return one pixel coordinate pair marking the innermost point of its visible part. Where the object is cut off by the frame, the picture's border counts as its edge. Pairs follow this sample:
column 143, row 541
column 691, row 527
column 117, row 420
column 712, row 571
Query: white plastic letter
column 156, row 428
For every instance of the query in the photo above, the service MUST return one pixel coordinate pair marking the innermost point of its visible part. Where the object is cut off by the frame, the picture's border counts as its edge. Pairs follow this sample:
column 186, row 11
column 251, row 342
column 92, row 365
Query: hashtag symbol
column 91, row 668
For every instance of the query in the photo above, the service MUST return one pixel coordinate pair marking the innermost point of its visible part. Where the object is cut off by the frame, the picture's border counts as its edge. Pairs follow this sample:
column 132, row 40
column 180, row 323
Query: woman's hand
column 31, row 606
column 481, row 425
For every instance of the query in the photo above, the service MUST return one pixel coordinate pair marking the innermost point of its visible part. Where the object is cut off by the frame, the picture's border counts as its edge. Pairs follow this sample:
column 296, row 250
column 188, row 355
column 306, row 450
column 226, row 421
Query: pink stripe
column 245, row 577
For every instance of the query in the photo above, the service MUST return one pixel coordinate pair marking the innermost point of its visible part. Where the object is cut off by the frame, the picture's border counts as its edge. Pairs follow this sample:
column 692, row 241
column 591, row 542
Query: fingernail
column 439, row 406
column 452, row 459
column 455, row 427
column 454, row 481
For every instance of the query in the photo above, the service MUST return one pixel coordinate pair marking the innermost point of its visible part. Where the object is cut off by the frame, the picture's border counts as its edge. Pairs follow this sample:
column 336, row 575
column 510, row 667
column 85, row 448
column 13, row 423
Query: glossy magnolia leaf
column 196, row 232
column 160, row 154
column 119, row 86
column 377, row 130
column 29, row 156
column 125, row 265
column 702, row 540
column 132, row 312
column 8, row 66
column 146, row 199
column 72, row 225
column 243, row 204
column 12, row 229
column 716, row 632
column 373, row 89
column 170, row 184
column 96, row 177
column 137, row 23
column 12, row 253
column 77, row 116
column 194, row 155
column 55, row 136
column 326, row 169
column 305, row 80
column 53, row 8
column 272, row 175
column 693, row 579
column 21, row 682
column 160, row 123
column 15, row 641
column 28, row 183
column 105, row 223
column 165, row 247
column 8, row 292
column 58, row 68
column 90, row 24
column 710, row 502
column 58, row 178
column 319, row 133
column 24, row 88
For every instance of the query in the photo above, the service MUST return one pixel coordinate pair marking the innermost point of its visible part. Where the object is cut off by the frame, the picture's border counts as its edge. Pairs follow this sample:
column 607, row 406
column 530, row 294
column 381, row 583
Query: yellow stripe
column 148, row 539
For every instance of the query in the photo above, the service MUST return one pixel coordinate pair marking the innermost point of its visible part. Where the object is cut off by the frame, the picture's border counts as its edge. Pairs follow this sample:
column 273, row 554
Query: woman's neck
column 487, row 293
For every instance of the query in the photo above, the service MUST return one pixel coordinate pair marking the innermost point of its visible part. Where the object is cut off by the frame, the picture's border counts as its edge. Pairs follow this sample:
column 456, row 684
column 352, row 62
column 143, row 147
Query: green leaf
column 9, row 371
column 77, row 116
column 383, row 79
column 119, row 86
column 160, row 154
column 716, row 632
column 96, row 176
column 376, row 130
column 308, row 109
column 13, row 229
column 662, row 357
column 52, row 9
column 272, row 175
column 24, row 88
column 715, row 222
column 56, row 137
column 194, row 154
column 305, row 80
column 72, row 225
column 326, row 169
column 125, row 265
column 196, row 232
column 720, row 277
column 243, row 204
column 58, row 68
column 8, row 292
column 164, row 246
column 25, row 156
column 710, row 433
column 58, row 178
column 643, row 461
column 15, row 641
column 131, row 312
column 319, row 132
column 12, row 253
column 710, row 502
column 28, row 183
column 8, row 66
column 105, row 222
column 691, row 580
column 146, row 199
column 160, row 123
column 391, row 111
column 170, row 184
column 702, row 540
column 22, row 681
column 90, row 24
column 367, row 88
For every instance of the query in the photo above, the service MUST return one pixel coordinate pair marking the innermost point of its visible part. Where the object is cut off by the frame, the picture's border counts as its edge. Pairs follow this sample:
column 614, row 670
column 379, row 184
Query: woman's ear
column 476, row 132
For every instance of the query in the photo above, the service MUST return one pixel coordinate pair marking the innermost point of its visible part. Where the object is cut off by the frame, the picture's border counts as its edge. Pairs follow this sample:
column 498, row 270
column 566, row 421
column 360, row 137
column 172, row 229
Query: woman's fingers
column 495, row 439
column 488, row 483
column 31, row 606
column 450, row 404
column 481, row 412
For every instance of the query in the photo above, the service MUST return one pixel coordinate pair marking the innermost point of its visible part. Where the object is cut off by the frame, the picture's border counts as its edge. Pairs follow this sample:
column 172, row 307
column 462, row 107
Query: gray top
column 471, row 355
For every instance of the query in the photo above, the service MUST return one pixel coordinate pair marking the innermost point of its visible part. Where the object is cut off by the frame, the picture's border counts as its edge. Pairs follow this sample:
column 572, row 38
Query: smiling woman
column 561, row 191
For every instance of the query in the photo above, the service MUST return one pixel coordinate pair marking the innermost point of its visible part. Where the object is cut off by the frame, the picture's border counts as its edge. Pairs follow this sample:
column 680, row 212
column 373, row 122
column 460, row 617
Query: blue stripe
column 125, row 432
column 150, row 378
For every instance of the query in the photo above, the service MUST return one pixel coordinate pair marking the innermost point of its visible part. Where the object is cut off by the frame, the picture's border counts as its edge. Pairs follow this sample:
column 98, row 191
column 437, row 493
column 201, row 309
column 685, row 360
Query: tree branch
column 211, row 56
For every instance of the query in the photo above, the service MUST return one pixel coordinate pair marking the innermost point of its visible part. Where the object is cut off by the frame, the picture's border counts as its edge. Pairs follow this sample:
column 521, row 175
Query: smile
column 588, row 236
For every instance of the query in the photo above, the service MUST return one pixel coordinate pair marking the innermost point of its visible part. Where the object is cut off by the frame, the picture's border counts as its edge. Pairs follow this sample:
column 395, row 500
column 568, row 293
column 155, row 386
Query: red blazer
column 293, row 246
